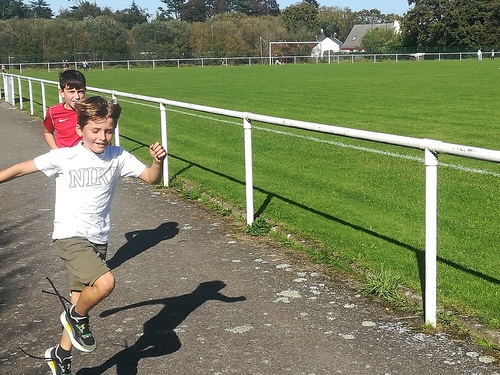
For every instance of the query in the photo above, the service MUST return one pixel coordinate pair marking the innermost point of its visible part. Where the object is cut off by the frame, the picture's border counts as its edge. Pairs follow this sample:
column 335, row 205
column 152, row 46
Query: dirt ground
column 194, row 295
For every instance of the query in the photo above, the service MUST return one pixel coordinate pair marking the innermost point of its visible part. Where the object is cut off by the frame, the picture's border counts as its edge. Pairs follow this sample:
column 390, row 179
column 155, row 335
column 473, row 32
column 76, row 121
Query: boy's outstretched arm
column 18, row 170
column 152, row 175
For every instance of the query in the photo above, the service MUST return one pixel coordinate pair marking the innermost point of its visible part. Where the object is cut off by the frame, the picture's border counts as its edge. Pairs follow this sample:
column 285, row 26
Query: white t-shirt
column 85, row 186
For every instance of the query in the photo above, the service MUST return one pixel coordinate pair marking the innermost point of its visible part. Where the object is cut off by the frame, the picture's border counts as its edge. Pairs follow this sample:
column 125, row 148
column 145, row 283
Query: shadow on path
column 159, row 337
column 140, row 241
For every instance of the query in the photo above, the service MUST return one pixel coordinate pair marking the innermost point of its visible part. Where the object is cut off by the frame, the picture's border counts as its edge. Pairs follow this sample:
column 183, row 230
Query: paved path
column 193, row 295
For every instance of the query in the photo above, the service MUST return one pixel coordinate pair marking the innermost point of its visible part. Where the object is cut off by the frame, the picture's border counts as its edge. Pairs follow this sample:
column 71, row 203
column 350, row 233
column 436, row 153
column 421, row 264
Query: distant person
column 60, row 120
column 88, row 174
column 479, row 55
column 492, row 54
column 65, row 65
column 85, row 65
column 3, row 69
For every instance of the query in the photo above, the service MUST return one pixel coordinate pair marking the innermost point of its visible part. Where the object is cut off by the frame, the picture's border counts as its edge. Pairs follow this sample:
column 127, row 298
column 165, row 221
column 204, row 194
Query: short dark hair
column 73, row 79
column 95, row 108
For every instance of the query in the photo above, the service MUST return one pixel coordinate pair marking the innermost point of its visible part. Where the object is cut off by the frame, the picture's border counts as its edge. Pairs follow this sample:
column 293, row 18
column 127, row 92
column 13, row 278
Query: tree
column 161, row 40
column 336, row 22
column 492, row 25
column 256, row 7
column 131, row 16
column 381, row 40
column 83, row 10
column 366, row 17
column 173, row 7
column 194, row 11
column 40, row 9
column 218, row 7
column 266, row 8
column 442, row 23
column 110, row 39
column 466, row 26
column 301, row 16
column 13, row 9
column 314, row 3
column 200, row 39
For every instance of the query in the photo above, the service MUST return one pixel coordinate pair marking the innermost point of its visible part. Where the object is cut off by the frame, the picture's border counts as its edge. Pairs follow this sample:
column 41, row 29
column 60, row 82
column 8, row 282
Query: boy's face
column 97, row 135
column 71, row 95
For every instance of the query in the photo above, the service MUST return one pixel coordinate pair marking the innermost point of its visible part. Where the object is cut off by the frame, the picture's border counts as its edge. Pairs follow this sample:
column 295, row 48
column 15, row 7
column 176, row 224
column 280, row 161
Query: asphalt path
column 194, row 295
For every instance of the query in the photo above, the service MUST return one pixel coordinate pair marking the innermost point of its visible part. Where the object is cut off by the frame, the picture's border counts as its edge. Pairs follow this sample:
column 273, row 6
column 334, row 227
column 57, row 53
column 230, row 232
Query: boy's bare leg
column 92, row 295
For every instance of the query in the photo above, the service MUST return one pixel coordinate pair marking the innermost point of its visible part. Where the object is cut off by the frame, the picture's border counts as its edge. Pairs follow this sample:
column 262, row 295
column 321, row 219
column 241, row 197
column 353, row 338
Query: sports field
column 358, row 205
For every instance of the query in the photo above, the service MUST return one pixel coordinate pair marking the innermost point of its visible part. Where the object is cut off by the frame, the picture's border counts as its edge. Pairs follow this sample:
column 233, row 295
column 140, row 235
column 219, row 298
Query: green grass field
column 361, row 204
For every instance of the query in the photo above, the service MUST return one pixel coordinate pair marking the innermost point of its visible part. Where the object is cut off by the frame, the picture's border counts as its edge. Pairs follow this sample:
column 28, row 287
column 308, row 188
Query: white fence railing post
column 44, row 99
column 247, row 128
column 117, row 128
column 164, row 141
column 20, row 92
column 430, row 297
column 13, row 91
column 30, row 89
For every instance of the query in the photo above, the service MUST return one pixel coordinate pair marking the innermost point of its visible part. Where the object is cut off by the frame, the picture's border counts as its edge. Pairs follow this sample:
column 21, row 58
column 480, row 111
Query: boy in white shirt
column 87, row 177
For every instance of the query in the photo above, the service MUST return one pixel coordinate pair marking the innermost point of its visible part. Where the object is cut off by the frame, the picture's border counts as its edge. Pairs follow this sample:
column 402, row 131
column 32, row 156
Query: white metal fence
column 430, row 147
column 328, row 58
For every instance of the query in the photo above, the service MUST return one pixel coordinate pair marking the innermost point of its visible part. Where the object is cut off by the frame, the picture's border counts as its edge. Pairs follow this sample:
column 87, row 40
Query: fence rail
column 328, row 58
column 431, row 148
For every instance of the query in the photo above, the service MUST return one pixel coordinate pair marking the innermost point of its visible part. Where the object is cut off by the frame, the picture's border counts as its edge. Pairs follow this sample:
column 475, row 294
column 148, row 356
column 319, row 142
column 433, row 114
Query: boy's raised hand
column 158, row 153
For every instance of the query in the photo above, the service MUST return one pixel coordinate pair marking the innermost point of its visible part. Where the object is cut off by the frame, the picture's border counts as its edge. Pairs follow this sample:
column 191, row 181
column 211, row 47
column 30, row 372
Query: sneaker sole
column 50, row 363
column 69, row 330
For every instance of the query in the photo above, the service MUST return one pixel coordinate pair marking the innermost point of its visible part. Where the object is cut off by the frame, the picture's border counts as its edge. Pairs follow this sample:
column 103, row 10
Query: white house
column 325, row 45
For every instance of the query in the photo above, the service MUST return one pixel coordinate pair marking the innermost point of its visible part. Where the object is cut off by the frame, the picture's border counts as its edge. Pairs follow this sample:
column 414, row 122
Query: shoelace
column 63, row 300
column 34, row 356
column 56, row 293
column 44, row 358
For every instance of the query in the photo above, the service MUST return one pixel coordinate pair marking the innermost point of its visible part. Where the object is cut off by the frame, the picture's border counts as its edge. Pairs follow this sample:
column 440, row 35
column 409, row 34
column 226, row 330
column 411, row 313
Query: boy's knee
column 105, row 284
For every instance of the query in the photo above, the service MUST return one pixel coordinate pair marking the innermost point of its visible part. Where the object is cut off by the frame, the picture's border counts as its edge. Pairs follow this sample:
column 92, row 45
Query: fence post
column 117, row 128
column 44, row 99
column 430, row 297
column 163, row 123
column 13, row 91
column 247, row 128
column 20, row 88
column 30, row 89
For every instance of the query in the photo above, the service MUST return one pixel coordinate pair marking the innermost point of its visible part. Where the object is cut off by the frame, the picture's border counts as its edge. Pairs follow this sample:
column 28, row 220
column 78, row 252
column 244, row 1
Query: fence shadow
column 419, row 253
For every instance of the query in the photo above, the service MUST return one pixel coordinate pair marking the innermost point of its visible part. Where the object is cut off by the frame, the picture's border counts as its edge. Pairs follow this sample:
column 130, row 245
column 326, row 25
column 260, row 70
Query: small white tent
column 327, row 44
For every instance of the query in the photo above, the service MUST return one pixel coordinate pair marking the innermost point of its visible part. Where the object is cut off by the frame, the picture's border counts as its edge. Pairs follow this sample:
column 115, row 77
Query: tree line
column 228, row 28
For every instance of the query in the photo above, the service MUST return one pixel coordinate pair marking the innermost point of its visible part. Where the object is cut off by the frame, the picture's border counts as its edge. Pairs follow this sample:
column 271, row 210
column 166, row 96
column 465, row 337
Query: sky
column 385, row 6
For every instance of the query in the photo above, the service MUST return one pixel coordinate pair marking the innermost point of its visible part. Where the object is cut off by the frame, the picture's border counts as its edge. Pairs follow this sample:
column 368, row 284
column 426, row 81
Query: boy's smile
column 97, row 135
